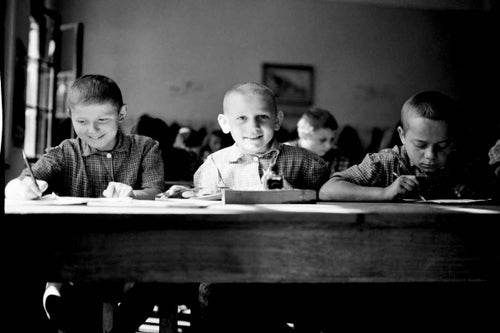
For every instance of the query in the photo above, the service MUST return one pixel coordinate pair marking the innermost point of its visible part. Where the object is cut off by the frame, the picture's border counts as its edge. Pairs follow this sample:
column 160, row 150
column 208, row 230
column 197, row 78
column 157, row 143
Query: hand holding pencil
column 27, row 188
column 402, row 185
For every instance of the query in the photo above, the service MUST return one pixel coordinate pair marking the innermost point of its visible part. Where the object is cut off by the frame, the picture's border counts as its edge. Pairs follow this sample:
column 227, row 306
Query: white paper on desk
column 452, row 201
column 129, row 202
column 50, row 200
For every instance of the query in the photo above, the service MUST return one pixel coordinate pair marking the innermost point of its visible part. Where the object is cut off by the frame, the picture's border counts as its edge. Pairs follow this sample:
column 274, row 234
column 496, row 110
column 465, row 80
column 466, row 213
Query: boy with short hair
column 423, row 166
column 251, row 117
column 317, row 130
column 101, row 161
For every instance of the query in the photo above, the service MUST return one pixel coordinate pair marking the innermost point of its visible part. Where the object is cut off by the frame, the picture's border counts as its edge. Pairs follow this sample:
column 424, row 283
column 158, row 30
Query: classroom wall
column 175, row 59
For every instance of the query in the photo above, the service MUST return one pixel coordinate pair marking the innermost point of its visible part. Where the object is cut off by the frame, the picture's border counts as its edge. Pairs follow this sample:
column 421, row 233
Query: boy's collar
column 235, row 154
column 88, row 150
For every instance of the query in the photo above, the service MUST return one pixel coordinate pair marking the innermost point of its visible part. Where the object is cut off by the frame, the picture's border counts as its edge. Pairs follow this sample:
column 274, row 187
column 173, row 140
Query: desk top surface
column 197, row 207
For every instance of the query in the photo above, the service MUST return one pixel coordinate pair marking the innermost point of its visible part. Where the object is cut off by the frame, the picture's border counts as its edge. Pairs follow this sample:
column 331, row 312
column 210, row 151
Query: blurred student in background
column 317, row 130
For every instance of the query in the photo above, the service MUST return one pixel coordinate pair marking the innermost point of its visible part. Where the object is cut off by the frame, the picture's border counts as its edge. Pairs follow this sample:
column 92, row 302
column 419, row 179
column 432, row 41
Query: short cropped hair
column 253, row 88
column 90, row 89
column 315, row 119
column 430, row 104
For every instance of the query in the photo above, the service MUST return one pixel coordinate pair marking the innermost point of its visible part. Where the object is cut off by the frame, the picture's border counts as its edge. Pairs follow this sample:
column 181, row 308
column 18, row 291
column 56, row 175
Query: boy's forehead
column 103, row 108
column 237, row 101
column 422, row 126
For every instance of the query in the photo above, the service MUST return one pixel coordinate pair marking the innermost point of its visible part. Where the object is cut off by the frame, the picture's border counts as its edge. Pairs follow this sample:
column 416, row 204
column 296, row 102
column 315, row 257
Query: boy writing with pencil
column 101, row 161
column 424, row 167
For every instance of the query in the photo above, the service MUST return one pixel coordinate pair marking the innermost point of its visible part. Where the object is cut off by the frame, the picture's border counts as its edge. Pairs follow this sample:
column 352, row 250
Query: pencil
column 29, row 169
column 420, row 195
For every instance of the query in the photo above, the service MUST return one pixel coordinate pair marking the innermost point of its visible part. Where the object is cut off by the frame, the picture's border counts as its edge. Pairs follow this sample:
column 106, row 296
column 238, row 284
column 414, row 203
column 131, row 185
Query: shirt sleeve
column 153, row 175
column 49, row 166
column 370, row 172
column 494, row 153
column 317, row 174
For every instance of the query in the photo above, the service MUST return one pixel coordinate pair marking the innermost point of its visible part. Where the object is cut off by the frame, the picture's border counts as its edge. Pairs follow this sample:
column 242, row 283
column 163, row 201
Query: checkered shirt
column 494, row 153
column 73, row 168
column 230, row 168
column 381, row 169
column 335, row 158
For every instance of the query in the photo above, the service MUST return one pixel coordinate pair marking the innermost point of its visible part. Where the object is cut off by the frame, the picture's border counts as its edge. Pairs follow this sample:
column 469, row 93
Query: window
column 42, row 66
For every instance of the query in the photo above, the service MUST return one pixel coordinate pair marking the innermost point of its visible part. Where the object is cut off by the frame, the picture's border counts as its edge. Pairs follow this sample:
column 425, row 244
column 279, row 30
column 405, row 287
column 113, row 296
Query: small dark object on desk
column 275, row 183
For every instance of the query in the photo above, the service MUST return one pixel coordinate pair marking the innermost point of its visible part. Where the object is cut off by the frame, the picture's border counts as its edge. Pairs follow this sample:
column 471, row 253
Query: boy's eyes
column 439, row 146
column 259, row 117
column 83, row 122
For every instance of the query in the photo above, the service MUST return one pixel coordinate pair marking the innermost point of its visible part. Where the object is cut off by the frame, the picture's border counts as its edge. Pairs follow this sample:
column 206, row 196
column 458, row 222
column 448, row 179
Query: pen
column 421, row 196
column 29, row 169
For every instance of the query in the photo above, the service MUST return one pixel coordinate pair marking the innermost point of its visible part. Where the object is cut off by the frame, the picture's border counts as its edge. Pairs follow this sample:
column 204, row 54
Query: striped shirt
column 228, row 167
column 73, row 168
column 381, row 170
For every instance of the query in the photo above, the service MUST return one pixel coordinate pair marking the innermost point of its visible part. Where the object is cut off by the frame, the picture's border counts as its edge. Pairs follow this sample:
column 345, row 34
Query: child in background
column 101, row 161
column 213, row 141
column 317, row 130
column 425, row 165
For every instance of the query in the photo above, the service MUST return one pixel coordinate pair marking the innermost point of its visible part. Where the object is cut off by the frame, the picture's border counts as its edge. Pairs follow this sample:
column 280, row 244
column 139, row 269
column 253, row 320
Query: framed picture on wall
column 292, row 84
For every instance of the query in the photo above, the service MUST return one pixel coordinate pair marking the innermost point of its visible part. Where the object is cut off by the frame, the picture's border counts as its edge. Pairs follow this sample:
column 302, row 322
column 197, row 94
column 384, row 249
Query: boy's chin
column 250, row 149
column 429, row 169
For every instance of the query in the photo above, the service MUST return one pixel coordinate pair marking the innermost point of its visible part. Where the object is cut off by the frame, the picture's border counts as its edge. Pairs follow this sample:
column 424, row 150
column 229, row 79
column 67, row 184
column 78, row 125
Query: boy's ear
column 223, row 123
column 401, row 134
column 122, row 112
column 279, row 120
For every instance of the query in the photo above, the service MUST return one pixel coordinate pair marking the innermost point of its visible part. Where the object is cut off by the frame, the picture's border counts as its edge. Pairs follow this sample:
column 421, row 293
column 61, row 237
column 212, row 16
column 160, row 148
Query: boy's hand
column 179, row 191
column 25, row 189
column 402, row 185
column 118, row 190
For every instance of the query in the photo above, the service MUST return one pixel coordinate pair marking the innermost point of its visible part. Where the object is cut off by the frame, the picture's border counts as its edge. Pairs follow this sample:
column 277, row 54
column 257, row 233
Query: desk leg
column 167, row 313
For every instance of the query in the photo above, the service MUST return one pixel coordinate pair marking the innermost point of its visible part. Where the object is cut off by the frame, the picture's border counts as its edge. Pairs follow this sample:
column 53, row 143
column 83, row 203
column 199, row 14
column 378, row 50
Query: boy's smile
column 427, row 143
column 97, row 124
column 251, row 122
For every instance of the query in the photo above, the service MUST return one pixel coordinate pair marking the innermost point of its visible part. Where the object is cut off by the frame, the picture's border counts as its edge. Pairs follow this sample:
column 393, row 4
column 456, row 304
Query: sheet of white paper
column 129, row 202
column 50, row 200
column 449, row 201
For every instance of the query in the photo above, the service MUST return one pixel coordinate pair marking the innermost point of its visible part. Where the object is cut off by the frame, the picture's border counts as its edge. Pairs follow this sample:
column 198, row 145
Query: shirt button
column 255, row 158
column 108, row 155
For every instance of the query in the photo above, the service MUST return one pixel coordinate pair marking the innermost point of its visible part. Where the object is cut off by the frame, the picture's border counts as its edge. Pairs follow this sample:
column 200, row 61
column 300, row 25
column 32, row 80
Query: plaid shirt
column 381, row 169
column 73, row 168
column 230, row 168
column 494, row 153
column 335, row 158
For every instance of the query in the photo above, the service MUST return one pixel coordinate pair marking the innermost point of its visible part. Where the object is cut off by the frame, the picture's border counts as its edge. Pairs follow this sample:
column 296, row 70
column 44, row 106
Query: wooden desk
column 338, row 242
